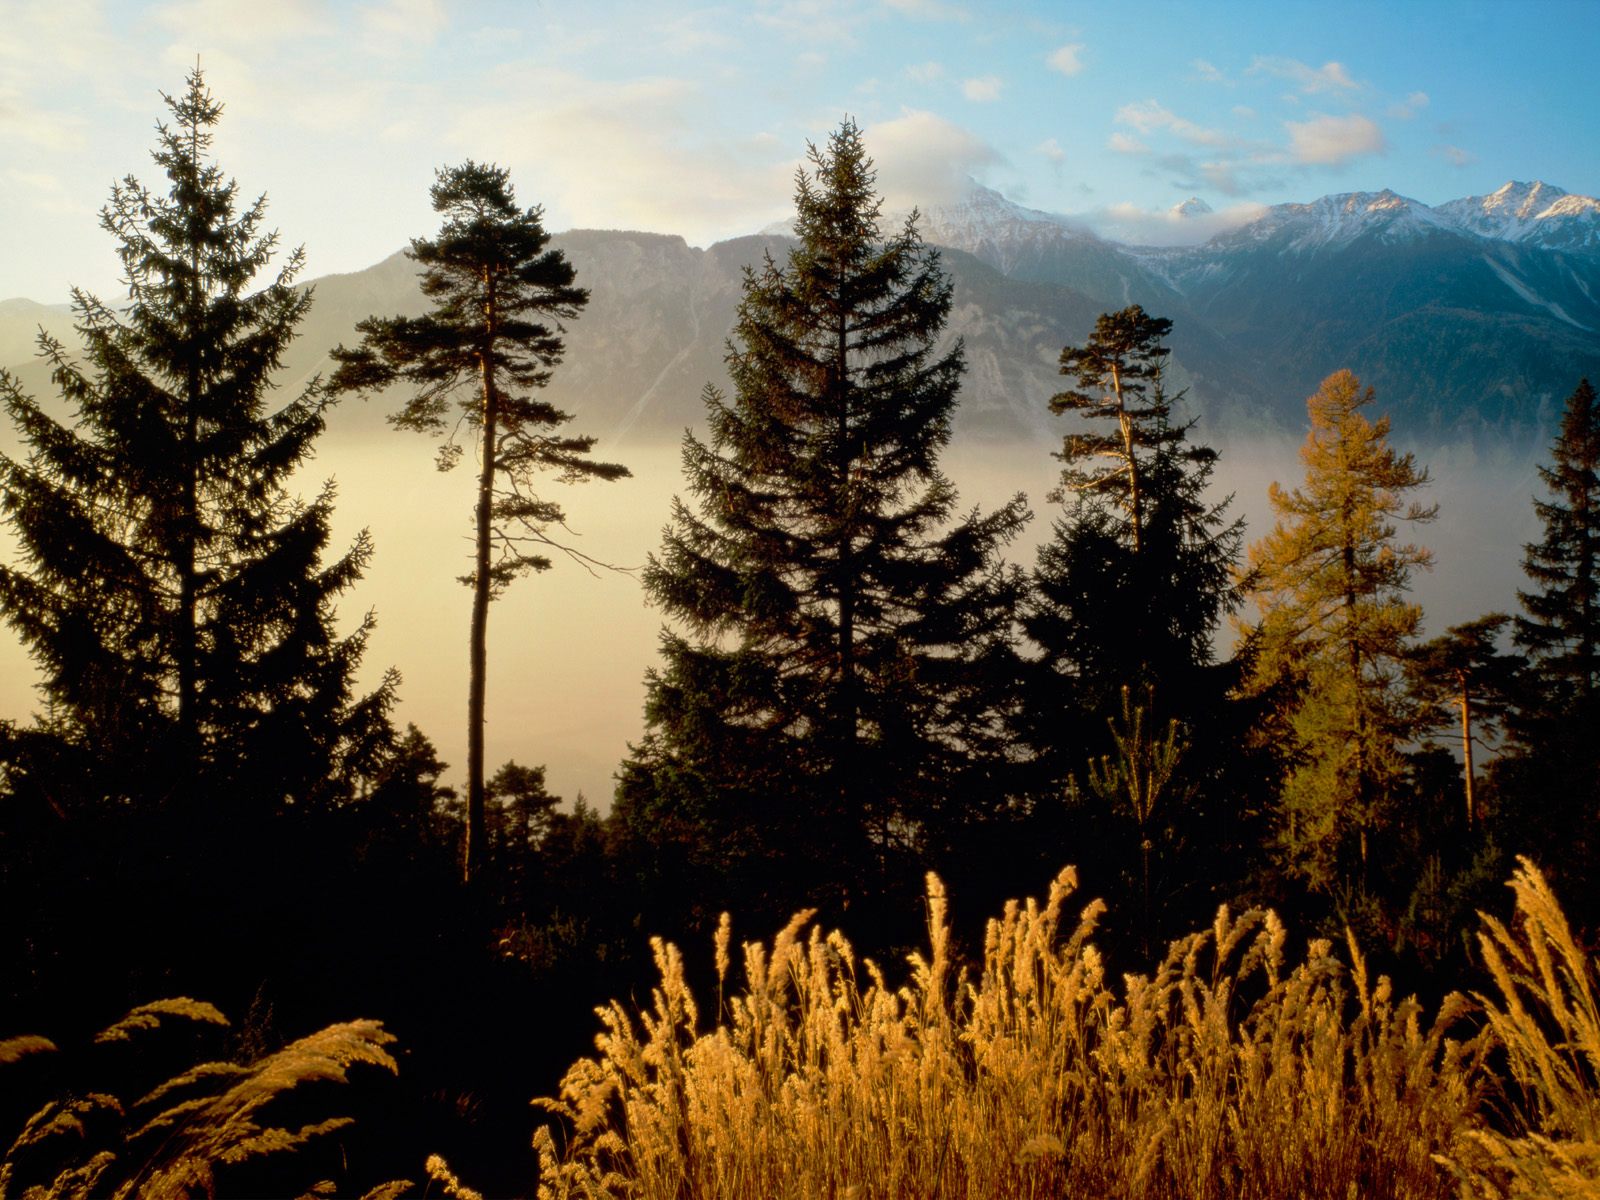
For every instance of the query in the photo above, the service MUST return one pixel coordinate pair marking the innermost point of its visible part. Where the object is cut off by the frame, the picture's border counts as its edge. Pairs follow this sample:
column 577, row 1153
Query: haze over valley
column 569, row 649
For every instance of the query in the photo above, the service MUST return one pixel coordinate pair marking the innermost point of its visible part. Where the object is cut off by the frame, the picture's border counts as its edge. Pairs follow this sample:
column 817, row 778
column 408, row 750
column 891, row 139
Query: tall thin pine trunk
column 1135, row 500
column 1466, row 743
column 477, row 685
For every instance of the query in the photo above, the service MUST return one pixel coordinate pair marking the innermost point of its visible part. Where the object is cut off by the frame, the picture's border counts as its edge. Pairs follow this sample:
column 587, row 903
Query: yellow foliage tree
column 1330, row 582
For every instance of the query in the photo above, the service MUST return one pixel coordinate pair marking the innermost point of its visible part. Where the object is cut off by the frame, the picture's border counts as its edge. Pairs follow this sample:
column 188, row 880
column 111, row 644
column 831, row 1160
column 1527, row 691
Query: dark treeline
column 856, row 683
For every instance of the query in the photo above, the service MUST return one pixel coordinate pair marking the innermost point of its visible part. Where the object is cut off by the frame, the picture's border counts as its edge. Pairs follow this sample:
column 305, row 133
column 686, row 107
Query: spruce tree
column 486, row 348
column 829, row 707
column 1559, row 626
column 169, row 588
column 1546, row 789
column 1335, row 626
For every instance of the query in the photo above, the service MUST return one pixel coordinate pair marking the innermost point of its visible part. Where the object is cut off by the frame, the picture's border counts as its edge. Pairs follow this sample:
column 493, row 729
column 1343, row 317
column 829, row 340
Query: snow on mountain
column 1338, row 220
column 1192, row 207
column 1531, row 213
column 984, row 224
column 1002, row 233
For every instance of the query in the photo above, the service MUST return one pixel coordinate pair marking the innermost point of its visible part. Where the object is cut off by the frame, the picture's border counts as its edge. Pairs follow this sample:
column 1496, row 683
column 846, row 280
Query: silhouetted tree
column 830, row 703
column 1128, row 594
column 169, row 588
column 1548, row 787
column 1560, row 623
column 1131, row 588
column 1465, row 675
column 486, row 348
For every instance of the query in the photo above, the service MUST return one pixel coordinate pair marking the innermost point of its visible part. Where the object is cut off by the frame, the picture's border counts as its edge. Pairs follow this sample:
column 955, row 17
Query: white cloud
column 1210, row 72
column 1067, row 59
column 1244, row 112
column 1051, row 149
column 1454, row 155
column 1334, row 141
column 1148, row 116
column 22, row 122
column 1329, row 77
column 410, row 22
column 1122, row 143
column 982, row 90
column 835, row 21
column 52, row 37
column 244, row 24
column 928, row 72
column 929, row 10
column 923, row 159
column 1409, row 107
column 694, row 32
column 629, row 155
column 1127, row 222
column 49, row 193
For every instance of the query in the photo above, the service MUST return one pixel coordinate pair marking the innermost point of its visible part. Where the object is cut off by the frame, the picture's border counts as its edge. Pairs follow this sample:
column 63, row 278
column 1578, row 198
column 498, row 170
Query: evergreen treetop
column 829, row 687
column 171, row 590
column 1558, row 622
column 1140, row 571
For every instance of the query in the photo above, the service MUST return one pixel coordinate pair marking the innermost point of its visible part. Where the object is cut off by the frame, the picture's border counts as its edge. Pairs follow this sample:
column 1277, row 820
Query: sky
column 689, row 119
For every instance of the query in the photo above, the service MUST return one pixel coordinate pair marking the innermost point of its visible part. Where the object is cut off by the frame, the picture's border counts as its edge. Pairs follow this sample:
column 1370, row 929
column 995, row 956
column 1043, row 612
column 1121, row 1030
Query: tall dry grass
column 1228, row 1073
column 1542, row 1137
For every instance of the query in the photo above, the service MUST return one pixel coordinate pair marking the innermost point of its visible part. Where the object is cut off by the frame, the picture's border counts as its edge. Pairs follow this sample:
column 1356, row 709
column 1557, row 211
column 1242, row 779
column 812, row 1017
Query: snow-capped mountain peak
column 1535, row 213
column 982, row 213
column 1192, row 207
column 1339, row 219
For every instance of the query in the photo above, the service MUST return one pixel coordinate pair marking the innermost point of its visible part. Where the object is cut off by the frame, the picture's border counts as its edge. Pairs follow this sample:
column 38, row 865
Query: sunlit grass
column 1228, row 1073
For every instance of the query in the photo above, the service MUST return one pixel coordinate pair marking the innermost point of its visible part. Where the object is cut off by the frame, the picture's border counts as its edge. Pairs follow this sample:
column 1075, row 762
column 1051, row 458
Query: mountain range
column 1471, row 318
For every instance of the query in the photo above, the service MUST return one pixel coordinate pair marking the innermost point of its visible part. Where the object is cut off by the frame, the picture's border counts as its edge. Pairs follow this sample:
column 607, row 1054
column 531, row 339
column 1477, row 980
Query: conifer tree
column 171, row 591
column 1547, row 788
column 1462, row 679
column 1139, row 573
column 1128, row 594
column 829, row 705
column 1335, row 625
column 489, row 344
column 1560, row 623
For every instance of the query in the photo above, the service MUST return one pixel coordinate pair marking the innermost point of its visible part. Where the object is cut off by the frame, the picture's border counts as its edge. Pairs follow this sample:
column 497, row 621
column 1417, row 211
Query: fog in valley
column 568, row 649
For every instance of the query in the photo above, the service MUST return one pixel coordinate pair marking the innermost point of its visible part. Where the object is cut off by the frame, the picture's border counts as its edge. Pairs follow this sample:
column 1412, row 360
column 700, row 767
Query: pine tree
column 171, row 591
column 1139, row 574
column 1331, row 583
column 829, row 705
column 1462, row 679
column 1128, row 594
column 1546, row 789
column 490, row 342
column 1560, row 623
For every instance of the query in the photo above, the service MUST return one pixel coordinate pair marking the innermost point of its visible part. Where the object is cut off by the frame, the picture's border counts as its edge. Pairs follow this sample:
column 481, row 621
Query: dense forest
column 253, row 944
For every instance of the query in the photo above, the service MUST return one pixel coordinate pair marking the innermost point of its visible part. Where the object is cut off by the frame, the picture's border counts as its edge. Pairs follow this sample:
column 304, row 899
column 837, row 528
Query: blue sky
column 691, row 119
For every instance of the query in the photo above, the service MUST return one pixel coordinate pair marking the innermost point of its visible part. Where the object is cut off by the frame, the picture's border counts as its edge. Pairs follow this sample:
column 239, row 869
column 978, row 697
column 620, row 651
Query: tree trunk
column 473, row 859
column 1135, row 500
column 1466, row 744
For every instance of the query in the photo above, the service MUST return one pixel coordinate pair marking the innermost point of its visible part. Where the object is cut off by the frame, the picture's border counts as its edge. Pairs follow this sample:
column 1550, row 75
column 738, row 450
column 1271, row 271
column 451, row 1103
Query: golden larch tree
column 1331, row 584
